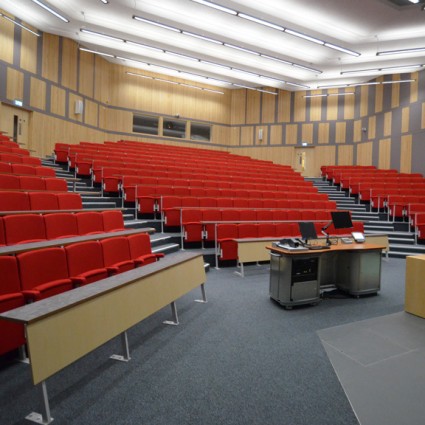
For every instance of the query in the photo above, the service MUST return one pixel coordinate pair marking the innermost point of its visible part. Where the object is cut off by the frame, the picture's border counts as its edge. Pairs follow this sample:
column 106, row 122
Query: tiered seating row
column 38, row 201
column 16, row 182
column 26, row 169
column 29, row 228
column 39, row 274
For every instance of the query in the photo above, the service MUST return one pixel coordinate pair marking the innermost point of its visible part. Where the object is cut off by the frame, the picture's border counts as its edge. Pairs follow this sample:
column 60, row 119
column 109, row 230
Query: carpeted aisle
column 239, row 359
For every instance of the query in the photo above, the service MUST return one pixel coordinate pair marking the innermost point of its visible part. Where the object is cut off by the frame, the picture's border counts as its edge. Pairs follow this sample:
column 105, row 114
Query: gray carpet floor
column 239, row 359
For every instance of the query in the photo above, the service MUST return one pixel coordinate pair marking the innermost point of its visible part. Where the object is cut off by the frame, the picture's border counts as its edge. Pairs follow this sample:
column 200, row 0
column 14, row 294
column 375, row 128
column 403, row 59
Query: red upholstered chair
column 141, row 250
column 112, row 221
column 44, row 272
column 285, row 229
column 11, row 334
column 69, row 201
column 2, row 235
column 89, row 222
column 192, row 227
column 56, row 184
column 60, row 225
column 43, row 201
column 116, row 254
column 226, row 235
column 31, row 160
column 23, row 169
column 213, row 216
column 85, row 262
column 14, row 201
column 266, row 230
column 32, row 183
column 265, row 215
column 24, row 228
column 9, row 182
column 44, row 171
column 247, row 215
column 5, row 167
column 230, row 215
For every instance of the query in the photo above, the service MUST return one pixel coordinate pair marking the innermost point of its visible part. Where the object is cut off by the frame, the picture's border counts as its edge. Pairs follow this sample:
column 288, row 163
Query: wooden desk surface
column 333, row 248
column 16, row 249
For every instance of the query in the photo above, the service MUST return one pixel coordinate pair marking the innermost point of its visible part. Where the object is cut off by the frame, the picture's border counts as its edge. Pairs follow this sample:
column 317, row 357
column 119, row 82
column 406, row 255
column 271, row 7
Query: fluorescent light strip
column 50, row 10
column 158, row 24
column 242, row 49
column 216, row 6
column 341, row 49
column 329, row 95
column 398, row 81
column 176, row 83
column 304, row 36
column 374, row 83
column 19, row 25
column 401, row 51
column 99, row 34
column 261, row 21
column 144, row 46
column 201, row 37
column 388, row 68
column 181, row 56
column 98, row 53
column 104, row 1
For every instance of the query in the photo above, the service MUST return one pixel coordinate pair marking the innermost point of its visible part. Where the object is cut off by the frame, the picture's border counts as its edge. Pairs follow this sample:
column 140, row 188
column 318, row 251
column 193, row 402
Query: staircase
column 401, row 239
column 92, row 199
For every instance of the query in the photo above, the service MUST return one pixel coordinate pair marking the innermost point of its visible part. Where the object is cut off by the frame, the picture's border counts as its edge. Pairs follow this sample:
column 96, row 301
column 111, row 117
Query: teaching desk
column 296, row 277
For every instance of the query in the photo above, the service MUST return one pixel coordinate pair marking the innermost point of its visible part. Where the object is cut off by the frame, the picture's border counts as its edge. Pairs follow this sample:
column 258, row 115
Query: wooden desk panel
column 414, row 302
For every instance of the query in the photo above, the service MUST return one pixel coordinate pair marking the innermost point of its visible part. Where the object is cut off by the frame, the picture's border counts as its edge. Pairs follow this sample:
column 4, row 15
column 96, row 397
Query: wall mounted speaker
column 79, row 107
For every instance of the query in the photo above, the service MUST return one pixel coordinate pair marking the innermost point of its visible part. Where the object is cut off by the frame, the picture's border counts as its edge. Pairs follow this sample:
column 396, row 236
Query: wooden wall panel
column 371, row 133
column 332, row 105
column 299, row 107
column 414, row 87
column 91, row 113
column 384, row 161
column 220, row 134
column 325, row 155
column 395, row 92
column 364, row 100
column 50, row 60
column 284, row 106
column 277, row 154
column 357, row 136
column 247, row 136
column 268, row 108
column 291, row 134
column 345, row 154
column 316, row 106
column 102, row 80
column 349, row 104
column 323, row 133
column 7, row 30
column 276, row 134
column 387, row 123
column 118, row 120
column 15, row 84
column 405, row 119
column 379, row 96
column 307, row 133
column 86, row 80
column 340, row 132
column 253, row 107
column 38, row 93
column 406, row 154
column 69, row 63
column 364, row 153
column 29, row 51
column 57, row 101
column 235, row 135
column 423, row 116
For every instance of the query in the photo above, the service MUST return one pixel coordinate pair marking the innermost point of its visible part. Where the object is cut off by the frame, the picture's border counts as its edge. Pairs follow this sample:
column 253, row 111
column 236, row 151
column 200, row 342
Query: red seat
column 89, row 222
column 32, row 183
column 44, row 272
column 14, row 201
column 5, row 167
column 230, row 215
column 116, row 254
column 192, row 227
column 247, row 230
column 43, row 201
column 285, row 229
column 279, row 215
column 60, row 225
column 212, row 216
column 44, row 171
column 2, row 235
column 141, row 250
column 30, row 160
column 12, row 335
column 266, row 230
column 23, row 169
column 24, row 228
column 226, row 235
column 112, row 221
column 69, row 201
column 9, row 182
column 247, row 215
column 85, row 262
column 56, row 184
column 265, row 215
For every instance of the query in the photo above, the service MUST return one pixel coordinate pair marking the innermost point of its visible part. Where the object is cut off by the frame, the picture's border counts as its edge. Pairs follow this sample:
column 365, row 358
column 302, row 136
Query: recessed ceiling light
column 19, row 25
column 50, row 10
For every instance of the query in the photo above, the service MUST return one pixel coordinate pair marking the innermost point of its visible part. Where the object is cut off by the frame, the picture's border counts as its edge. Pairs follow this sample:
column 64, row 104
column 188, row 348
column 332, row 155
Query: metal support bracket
column 204, row 297
column 126, row 356
column 42, row 418
column 175, row 320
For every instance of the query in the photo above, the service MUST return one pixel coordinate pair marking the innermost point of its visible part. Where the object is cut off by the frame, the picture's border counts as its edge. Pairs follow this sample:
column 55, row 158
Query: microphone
column 324, row 228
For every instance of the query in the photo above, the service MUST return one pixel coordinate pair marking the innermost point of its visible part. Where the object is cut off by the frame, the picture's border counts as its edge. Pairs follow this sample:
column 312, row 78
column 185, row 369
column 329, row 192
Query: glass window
column 145, row 124
column 174, row 128
column 200, row 132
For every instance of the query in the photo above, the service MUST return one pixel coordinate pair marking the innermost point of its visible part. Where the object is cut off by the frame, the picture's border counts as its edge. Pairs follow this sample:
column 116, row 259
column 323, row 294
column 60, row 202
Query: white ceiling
column 363, row 26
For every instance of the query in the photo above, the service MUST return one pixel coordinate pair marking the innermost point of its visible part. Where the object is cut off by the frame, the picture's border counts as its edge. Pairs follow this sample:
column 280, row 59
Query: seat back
column 139, row 244
column 43, row 201
column 60, row 225
column 32, row 183
column 115, row 250
column 69, row 201
column 112, row 221
column 89, row 222
column 84, row 256
column 10, row 282
column 14, row 201
column 56, row 184
column 24, row 228
column 9, row 182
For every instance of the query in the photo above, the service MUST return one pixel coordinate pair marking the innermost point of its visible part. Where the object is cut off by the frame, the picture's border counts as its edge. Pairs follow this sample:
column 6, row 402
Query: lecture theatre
column 212, row 212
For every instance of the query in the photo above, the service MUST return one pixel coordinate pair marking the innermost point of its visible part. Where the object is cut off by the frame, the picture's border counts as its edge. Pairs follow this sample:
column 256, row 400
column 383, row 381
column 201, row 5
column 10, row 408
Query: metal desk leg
column 43, row 418
column 175, row 320
column 204, row 297
column 126, row 356
column 242, row 272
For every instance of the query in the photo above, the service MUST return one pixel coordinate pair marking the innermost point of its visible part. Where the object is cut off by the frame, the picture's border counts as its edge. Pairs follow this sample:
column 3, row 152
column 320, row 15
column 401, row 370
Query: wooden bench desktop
column 63, row 328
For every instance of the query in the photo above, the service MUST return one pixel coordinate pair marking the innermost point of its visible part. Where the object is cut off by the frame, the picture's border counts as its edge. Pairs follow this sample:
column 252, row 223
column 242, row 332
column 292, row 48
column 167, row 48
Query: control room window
column 145, row 124
column 174, row 128
column 200, row 132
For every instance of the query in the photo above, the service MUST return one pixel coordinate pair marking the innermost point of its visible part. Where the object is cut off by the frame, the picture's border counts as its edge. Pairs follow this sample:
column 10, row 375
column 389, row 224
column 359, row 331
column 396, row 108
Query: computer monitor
column 307, row 230
column 341, row 219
